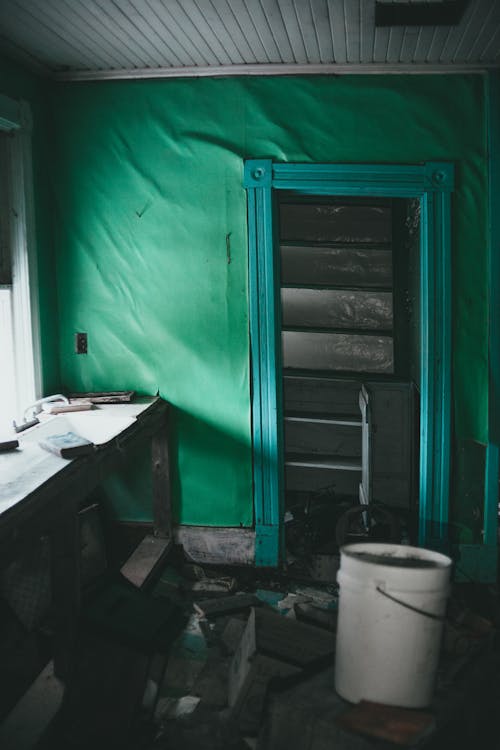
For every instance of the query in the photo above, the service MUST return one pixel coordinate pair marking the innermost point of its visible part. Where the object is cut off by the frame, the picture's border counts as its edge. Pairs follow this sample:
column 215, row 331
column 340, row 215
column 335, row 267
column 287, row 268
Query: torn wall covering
column 148, row 185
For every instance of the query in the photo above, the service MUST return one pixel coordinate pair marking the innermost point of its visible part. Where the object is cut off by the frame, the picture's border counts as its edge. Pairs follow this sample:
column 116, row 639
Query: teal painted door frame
column 479, row 562
column 487, row 560
column 432, row 183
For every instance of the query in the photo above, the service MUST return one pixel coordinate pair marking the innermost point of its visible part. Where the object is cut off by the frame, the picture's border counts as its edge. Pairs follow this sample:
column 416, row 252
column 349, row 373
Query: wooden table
column 45, row 496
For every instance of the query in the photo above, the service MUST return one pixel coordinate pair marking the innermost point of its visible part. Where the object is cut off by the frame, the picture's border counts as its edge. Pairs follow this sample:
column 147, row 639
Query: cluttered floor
column 229, row 659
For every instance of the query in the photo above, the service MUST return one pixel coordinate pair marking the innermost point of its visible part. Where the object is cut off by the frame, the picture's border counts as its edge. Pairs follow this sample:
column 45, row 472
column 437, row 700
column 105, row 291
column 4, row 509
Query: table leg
column 162, row 495
column 65, row 563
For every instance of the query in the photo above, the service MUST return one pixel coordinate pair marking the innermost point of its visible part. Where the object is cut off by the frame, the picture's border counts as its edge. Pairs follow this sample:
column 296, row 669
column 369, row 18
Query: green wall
column 150, row 218
column 18, row 84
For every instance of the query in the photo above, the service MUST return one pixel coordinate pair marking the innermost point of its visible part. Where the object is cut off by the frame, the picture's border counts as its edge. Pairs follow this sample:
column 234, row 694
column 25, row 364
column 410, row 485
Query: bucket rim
column 376, row 553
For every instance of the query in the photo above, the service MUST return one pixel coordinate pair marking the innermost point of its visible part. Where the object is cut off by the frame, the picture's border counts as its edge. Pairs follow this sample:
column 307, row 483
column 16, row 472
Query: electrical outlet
column 81, row 343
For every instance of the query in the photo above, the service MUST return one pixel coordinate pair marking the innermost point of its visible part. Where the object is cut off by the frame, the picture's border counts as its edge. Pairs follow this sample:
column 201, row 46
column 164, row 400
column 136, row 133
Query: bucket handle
column 440, row 618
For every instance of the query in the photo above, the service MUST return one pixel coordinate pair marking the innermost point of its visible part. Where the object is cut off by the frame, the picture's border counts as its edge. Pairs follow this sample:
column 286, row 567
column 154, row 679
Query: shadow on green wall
column 128, row 492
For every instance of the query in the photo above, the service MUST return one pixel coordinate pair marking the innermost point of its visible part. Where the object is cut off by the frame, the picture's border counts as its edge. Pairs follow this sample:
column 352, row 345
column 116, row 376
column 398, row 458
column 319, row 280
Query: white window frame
column 16, row 120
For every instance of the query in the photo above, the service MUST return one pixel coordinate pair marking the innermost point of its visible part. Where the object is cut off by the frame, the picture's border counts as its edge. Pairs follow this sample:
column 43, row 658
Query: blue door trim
column 432, row 184
column 435, row 368
column 266, row 353
column 491, row 498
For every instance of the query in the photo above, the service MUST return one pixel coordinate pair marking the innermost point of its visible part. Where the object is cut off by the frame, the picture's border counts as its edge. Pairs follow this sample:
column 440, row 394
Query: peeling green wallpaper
column 17, row 84
column 152, row 250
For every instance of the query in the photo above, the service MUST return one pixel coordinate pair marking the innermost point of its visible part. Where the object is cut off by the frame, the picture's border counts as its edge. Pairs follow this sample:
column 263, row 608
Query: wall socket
column 81, row 343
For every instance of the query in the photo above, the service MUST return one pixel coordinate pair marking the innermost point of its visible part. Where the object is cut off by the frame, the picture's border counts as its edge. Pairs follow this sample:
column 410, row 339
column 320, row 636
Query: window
column 336, row 284
column 7, row 371
column 19, row 340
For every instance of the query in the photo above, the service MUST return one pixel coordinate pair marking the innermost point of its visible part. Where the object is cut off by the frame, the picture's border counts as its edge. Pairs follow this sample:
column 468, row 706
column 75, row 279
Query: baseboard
column 213, row 545
column 217, row 545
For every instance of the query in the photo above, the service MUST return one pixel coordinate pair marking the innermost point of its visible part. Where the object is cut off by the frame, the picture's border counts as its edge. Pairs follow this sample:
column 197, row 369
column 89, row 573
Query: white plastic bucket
column 391, row 607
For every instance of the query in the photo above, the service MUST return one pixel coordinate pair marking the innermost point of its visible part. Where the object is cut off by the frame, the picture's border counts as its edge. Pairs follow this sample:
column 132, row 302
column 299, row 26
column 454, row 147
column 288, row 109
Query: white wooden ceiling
column 136, row 38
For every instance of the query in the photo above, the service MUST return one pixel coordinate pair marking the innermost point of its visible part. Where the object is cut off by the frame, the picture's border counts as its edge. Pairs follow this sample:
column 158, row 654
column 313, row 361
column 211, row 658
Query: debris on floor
column 257, row 670
column 175, row 708
column 271, row 646
column 270, row 597
column 212, row 658
column 232, row 634
column 323, row 567
column 299, row 714
column 226, row 605
column 187, row 659
column 202, row 729
column 196, row 579
column 323, row 598
column 316, row 616
column 402, row 726
column 309, row 714
column 242, row 632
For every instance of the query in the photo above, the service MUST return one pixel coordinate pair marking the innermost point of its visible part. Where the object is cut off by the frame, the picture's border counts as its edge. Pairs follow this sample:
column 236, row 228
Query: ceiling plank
column 62, row 19
column 309, row 30
column 240, row 26
column 162, row 51
column 159, row 16
column 352, row 21
column 112, row 34
column 212, row 21
column 278, row 29
column 409, row 43
column 492, row 50
column 19, row 24
column 424, row 41
column 290, row 21
column 381, row 44
column 396, row 37
column 456, row 33
column 259, row 20
column 188, row 24
column 490, row 22
column 367, row 30
column 321, row 16
column 471, row 29
column 337, row 25
column 439, row 40
column 127, row 28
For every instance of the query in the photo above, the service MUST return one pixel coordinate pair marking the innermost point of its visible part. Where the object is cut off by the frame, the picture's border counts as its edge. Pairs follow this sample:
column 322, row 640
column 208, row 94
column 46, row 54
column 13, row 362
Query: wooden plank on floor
column 146, row 559
column 28, row 720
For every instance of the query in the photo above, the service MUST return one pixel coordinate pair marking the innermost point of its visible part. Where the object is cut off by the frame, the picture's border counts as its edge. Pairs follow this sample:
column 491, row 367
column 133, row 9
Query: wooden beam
column 276, row 69
column 162, row 495
column 146, row 559
column 65, row 581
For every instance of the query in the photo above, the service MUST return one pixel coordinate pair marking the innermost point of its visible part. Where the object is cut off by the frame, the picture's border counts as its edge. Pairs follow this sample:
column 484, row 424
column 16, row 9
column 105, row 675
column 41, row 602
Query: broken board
column 144, row 562
column 271, row 646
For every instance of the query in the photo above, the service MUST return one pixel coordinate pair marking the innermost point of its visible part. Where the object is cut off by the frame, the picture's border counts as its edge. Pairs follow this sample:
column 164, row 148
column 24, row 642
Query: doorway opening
column 318, row 331
column 349, row 291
